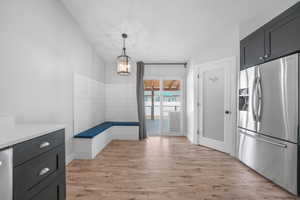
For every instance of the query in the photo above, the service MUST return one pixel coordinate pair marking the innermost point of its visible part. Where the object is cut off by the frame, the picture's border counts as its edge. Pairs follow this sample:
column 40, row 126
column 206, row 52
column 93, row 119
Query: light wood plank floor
column 162, row 168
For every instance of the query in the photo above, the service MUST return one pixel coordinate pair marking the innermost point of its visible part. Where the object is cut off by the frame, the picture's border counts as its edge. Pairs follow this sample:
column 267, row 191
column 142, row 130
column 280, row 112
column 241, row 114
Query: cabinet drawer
column 32, row 148
column 55, row 191
column 30, row 177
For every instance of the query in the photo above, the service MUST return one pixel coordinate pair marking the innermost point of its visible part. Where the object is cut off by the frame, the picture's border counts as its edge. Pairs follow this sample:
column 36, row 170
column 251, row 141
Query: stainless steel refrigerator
column 6, row 174
column 268, row 120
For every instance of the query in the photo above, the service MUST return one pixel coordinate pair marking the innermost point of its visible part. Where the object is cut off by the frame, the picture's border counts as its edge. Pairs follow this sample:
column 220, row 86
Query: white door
column 215, row 110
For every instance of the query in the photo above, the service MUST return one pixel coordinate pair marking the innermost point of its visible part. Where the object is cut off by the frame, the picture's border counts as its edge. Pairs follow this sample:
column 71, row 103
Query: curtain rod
column 184, row 64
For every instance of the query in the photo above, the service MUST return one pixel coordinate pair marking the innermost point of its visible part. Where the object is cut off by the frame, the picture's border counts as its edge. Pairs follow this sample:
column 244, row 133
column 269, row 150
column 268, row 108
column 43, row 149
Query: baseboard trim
column 70, row 158
column 190, row 138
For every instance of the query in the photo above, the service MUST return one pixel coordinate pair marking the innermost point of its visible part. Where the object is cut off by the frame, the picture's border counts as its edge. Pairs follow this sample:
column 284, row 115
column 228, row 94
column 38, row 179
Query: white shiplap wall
column 89, row 102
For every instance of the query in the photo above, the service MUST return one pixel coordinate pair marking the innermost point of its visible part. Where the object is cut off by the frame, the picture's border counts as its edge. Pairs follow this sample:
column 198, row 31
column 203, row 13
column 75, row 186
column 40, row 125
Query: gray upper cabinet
column 283, row 34
column 278, row 38
column 253, row 49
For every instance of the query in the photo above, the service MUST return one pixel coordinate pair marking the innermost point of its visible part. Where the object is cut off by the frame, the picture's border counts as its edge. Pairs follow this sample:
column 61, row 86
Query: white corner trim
column 70, row 158
column 190, row 138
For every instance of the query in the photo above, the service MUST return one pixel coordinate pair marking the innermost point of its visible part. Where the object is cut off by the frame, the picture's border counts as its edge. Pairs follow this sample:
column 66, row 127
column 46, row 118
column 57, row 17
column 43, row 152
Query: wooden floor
column 165, row 168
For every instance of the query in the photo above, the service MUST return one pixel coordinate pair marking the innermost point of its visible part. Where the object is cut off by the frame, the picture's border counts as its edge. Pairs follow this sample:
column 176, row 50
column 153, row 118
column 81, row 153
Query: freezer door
column 272, row 158
column 6, row 174
column 247, row 96
column 278, row 107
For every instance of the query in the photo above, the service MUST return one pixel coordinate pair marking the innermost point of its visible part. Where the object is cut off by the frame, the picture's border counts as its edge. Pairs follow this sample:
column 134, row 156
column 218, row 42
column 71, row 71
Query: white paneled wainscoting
column 89, row 102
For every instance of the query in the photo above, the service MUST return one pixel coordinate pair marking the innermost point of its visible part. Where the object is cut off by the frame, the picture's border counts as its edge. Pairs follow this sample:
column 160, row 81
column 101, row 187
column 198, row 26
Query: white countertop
column 22, row 132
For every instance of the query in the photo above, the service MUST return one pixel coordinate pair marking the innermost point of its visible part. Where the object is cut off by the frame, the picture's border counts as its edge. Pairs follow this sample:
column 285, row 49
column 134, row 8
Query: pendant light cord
column 124, row 36
column 124, row 48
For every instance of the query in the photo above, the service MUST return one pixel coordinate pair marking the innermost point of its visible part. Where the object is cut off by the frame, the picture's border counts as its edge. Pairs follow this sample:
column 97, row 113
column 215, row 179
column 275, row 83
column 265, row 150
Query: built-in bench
column 89, row 143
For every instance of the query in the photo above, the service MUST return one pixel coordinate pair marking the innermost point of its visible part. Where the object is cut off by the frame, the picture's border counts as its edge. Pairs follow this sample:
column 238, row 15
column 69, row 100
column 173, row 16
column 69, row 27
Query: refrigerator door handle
column 253, row 99
column 264, row 140
column 255, row 102
column 6, row 174
column 260, row 97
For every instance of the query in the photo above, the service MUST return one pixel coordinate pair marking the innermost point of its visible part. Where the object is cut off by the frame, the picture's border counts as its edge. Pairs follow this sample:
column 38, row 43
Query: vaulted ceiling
column 160, row 29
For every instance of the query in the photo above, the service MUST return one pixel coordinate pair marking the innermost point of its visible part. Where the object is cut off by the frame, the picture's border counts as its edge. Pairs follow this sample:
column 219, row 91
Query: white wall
column 247, row 27
column 165, row 71
column 218, row 48
column 191, row 105
column 120, row 95
column 41, row 47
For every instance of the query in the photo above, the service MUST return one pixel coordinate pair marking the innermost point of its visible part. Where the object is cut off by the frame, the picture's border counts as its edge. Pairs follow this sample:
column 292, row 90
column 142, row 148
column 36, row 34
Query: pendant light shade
column 123, row 61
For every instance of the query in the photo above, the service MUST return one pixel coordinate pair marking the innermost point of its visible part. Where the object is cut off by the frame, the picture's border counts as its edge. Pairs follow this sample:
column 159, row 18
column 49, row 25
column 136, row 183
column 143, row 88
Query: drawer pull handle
column 0, row 163
column 266, row 141
column 44, row 171
column 44, row 144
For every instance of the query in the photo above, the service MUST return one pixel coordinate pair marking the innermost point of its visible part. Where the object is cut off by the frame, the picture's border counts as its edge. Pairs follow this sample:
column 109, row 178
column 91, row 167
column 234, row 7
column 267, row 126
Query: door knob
column 227, row 112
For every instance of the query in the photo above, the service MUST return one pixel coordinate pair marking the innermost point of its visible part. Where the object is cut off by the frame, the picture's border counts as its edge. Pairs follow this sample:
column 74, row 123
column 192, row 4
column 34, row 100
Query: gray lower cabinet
column 55, row 191
column 39, row 168
column 32, row 148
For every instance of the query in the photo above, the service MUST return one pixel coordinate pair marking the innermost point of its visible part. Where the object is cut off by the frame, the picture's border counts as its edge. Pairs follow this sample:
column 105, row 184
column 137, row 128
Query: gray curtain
column 140, row 99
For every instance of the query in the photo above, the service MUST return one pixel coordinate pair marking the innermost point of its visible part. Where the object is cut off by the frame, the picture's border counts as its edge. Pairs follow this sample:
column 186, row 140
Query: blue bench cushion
column 125, row 123
column 92, row 132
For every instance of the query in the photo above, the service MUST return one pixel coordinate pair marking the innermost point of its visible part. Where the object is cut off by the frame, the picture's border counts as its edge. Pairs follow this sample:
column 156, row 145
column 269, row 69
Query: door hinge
column 198, row 132
column 198, row 76
column 198, row 104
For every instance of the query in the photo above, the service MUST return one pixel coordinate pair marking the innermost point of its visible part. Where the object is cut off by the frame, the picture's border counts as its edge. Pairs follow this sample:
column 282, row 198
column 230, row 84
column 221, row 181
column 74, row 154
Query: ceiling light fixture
column 123, row 61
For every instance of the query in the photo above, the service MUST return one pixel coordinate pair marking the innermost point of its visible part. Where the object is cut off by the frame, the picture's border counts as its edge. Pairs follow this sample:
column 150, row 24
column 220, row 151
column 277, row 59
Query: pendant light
column 123, row 61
